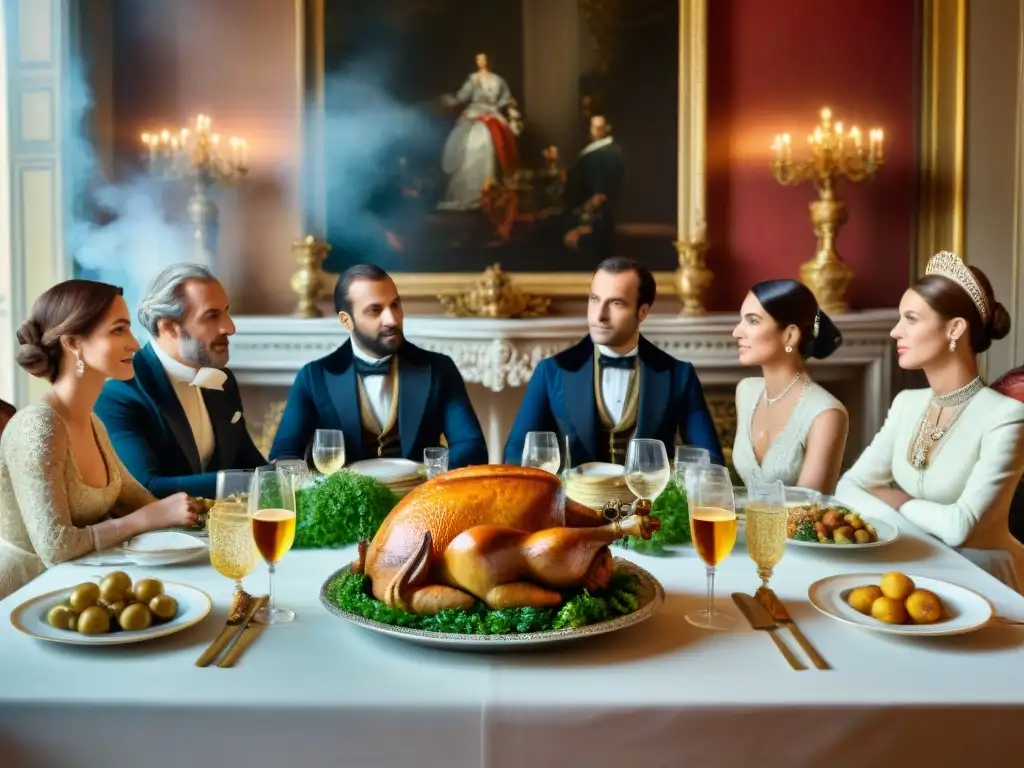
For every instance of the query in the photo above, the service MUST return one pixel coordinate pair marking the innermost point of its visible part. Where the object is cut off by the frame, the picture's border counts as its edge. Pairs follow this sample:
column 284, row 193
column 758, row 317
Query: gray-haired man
column 180, row 420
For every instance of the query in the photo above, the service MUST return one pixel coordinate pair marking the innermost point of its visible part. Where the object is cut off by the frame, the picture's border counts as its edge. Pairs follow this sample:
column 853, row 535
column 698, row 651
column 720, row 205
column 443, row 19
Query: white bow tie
column 209, row 378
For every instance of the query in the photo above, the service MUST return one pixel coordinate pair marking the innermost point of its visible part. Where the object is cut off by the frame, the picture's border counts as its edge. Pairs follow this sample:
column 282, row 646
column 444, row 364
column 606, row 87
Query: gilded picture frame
column 690, row 227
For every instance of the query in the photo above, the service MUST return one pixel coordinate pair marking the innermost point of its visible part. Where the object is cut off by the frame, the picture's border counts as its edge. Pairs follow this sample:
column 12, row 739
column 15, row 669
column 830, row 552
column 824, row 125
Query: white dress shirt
column 186, row 382
column 378, row 389
column 614, row 383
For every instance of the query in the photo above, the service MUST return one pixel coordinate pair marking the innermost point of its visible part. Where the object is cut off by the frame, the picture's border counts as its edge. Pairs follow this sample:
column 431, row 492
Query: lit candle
column 817, row 135
column 215, row 139
column 245, row 152
column 855, row 135
column 787, row 148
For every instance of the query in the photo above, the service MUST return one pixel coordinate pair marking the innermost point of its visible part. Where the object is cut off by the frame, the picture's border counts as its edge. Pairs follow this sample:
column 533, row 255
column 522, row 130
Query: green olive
column 135, row 617
column 119, row 578
column 58, row 616
column 84, row 596
column 163, row 607
column 146, row 589
column 94, row 621
column 111, row 592
column 116, row 609
column 73, row 621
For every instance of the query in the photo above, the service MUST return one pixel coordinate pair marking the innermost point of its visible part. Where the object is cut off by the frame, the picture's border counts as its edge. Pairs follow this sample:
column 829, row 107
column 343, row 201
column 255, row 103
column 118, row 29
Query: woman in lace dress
column 948, row 458
column 63, row 491
column 788, row 428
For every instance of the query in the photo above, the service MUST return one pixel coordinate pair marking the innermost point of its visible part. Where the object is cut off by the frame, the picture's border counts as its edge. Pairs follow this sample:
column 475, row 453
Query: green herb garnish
column 672, row 510
column 341, row 509
column 805, row 531
column 351, row 592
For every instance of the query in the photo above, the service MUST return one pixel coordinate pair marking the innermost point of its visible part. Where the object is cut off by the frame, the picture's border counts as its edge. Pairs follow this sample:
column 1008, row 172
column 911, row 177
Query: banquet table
column 323, row 692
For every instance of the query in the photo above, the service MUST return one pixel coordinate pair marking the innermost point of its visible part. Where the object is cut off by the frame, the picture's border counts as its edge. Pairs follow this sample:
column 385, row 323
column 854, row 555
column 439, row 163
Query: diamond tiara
column 951, row 266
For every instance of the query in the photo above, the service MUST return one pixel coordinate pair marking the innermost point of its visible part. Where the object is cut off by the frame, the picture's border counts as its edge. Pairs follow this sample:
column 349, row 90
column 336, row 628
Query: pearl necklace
column 959, row 396
column 770, row 401
column 928, row 438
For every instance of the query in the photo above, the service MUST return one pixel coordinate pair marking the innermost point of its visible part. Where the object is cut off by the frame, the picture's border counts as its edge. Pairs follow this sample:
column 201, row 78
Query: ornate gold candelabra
column 308, row 280
column 835, row 154
column 198, row 156
column 693, row 277
column 494, row 295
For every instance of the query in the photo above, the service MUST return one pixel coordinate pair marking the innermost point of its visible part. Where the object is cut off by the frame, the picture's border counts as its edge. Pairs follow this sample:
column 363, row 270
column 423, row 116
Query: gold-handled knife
column 759, row 618
column 771, row 603
column 245, row 637
column 243, row 606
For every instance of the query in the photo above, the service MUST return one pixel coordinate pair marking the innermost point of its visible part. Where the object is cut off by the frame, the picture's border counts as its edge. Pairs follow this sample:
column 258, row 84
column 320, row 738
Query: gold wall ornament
column 835, row 154
column 308, row 281
column 693, row 277
column 494, row 295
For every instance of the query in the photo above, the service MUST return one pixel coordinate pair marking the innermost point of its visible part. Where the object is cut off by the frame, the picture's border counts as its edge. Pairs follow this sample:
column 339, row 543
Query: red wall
column 772, row 65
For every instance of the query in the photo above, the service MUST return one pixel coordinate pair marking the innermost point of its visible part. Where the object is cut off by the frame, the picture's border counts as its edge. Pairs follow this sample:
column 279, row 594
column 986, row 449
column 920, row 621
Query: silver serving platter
column 651, row 597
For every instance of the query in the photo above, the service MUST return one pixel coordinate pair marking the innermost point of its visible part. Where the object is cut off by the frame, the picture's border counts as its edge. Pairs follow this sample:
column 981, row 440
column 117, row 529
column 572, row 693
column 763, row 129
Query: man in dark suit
column 592, row 192
column 615, row 385
column 180, row 419
column 388, row 397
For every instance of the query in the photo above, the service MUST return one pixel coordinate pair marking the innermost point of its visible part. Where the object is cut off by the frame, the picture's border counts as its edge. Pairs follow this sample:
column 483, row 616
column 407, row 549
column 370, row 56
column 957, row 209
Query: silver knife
column 771, row 603
column 759, row 618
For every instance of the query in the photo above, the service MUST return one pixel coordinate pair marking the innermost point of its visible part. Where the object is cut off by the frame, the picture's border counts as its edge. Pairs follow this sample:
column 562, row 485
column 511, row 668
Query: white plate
column 651, row 598
column 30, row 617
column 967, row 609
column 887, row 534
column 164, row 548
column 600, row 469
column 388, row 470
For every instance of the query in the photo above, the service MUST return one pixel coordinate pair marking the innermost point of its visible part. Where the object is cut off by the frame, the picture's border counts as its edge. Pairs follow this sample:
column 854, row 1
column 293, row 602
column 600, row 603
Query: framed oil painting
column 445, row 136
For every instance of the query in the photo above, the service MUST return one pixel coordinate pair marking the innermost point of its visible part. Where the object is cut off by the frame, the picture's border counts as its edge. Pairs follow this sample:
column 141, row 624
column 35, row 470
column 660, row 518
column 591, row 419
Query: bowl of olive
column 113, row 611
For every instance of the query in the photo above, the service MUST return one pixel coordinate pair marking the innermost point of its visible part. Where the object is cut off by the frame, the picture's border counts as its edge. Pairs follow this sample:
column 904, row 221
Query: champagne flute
column 329, row 450
column 541, row 451
column 272, row 511
column 233, row 552
column 766, row 528
column 713, row 526
column 647, row 470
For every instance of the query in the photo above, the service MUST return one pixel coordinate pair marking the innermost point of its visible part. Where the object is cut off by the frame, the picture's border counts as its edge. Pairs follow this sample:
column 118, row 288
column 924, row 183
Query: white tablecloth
column 320, row 692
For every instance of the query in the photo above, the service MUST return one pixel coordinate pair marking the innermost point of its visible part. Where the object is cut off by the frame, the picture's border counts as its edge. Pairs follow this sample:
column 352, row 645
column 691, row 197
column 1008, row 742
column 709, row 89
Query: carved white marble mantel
column 497, row 357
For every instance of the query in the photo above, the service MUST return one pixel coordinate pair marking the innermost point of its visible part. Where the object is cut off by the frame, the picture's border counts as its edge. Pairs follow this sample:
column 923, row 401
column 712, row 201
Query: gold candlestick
column 197, row 155
column 308, row 279
column 693, row 277
column 835, row 155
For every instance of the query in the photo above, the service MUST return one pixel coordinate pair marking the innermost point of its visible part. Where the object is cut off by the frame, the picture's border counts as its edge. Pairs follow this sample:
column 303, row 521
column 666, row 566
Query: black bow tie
column 625, row 363
column 364, row 368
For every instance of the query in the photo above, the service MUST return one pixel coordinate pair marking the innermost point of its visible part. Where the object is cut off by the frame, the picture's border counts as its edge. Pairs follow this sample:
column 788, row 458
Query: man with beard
column 615, row 385
column 179, row 421
column 388, row 397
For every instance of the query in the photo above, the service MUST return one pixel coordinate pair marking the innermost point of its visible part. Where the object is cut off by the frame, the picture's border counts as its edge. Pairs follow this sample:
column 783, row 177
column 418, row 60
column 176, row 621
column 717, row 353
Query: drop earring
column 952, row 345
column 789, row 349
column 79, row 365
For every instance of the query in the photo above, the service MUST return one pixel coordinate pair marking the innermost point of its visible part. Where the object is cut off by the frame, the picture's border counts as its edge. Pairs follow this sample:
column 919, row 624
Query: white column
column 693, row 43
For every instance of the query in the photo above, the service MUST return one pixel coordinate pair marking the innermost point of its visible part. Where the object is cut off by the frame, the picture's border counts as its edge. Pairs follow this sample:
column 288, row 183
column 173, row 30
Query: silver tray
column 651, row 597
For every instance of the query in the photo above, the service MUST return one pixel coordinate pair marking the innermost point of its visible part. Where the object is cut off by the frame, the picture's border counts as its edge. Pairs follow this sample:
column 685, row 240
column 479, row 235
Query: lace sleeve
column 37, row 454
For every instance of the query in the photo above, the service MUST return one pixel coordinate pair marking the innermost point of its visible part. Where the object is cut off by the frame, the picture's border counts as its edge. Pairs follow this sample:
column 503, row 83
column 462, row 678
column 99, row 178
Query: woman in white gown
column 949, row 458
column 482, row 140
column 788, row 428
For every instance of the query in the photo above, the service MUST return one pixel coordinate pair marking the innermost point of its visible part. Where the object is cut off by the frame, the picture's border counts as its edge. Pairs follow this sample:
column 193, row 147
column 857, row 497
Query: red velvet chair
column 1011, row 384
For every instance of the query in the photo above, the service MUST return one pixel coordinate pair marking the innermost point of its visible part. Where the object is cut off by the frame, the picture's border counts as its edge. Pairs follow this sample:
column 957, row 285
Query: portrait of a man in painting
column 538, row 134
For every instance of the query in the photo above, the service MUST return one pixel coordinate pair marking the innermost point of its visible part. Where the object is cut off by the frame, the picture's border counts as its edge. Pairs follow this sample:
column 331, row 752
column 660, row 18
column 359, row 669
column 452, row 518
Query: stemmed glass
column 272, row 510
column 435, row 461
column 329, row 450
column 766, row 528
column 541, row 451
column 232, row 549
column 688, row 456
column 647, row 471
column 713, row 526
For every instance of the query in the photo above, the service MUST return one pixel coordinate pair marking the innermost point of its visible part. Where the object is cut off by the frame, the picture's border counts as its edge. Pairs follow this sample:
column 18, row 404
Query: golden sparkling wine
column 766, row 534
column 232, row 549
column 274, row 532
column 647, row 485
column 328, row 465
column 714, row 533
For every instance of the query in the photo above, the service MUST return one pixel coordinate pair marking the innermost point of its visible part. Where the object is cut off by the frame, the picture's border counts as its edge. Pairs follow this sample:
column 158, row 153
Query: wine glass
column 713, row 527
column 541, row 451
column 688, row 456
column 647, row 470
column 272, row 511
column 435, row 461
column 233, row 552
column 329, row 450
column 766, row 528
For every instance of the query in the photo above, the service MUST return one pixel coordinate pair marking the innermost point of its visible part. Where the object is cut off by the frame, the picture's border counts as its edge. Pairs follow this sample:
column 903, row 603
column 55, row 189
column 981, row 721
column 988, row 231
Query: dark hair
column 791, row 303
column 71, row 308
column 342, row 302
column 950, row 300
column 647, row 288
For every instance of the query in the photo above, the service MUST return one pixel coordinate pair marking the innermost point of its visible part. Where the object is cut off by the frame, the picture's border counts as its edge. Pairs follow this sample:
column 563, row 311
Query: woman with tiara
column 949, row 458
column 788, row 427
